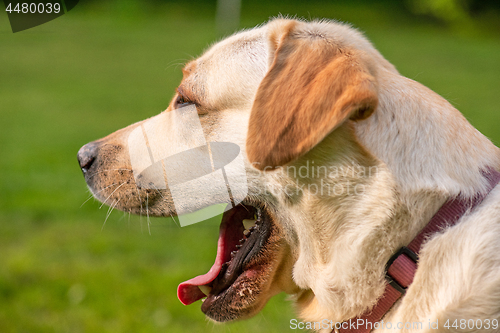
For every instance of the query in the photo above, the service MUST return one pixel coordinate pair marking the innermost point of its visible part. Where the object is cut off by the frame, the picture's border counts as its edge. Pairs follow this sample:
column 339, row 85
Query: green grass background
column 104, row 66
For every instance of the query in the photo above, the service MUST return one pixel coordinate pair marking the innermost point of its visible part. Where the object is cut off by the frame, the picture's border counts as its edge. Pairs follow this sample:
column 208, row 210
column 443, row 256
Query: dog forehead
column 238, row 44
column 229, row 72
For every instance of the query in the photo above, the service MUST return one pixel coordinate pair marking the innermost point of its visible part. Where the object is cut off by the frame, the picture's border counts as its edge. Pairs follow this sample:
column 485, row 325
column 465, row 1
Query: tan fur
column 319, row 94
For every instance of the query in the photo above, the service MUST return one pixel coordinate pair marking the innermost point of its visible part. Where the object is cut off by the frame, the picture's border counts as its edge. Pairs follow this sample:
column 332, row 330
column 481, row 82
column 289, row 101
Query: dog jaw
column 262, row 278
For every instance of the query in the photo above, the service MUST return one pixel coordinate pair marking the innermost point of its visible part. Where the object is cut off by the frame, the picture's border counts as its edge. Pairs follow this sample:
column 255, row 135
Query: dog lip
column 236, row 266
column 227, row 268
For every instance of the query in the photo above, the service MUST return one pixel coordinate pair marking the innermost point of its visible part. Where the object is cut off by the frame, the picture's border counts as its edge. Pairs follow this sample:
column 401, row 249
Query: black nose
column 87, row 155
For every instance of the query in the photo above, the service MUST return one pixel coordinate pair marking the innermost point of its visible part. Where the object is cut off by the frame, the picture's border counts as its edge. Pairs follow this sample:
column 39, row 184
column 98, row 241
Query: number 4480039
column 34, row 8
column 472, row 324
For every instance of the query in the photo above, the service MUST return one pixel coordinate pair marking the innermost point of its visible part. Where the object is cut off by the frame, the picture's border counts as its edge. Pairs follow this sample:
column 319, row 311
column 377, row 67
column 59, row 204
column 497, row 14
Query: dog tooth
column 205, row 289
column 248, row 223
column 238, row 246
column 242, row 240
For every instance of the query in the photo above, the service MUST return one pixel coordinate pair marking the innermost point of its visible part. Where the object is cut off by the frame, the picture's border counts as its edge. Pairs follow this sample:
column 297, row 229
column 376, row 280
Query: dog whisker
column 157, row 190
column 140, row 218
column 92, row 194
column 90, row 197
column 172, row 217
column 123, row 217
column 111, row 194
column 147, row 212
column 110, row 210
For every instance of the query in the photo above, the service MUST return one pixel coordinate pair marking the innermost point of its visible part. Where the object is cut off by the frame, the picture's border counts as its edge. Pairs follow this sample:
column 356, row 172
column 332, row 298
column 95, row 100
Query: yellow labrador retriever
column 346, row 161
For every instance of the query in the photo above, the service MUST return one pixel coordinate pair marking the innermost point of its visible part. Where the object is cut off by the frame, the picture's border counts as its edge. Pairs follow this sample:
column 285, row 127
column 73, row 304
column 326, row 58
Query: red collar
column 401, row 268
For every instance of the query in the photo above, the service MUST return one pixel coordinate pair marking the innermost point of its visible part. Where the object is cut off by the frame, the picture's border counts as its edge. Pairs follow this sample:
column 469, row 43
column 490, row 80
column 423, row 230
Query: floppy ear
column 311, row 88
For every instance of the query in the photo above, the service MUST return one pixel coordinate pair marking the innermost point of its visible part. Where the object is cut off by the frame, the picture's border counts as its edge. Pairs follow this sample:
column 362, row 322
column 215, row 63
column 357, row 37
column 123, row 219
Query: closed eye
column 181, row 101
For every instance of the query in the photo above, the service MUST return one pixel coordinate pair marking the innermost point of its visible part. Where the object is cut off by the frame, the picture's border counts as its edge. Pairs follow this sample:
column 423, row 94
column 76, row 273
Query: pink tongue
column 188, row 291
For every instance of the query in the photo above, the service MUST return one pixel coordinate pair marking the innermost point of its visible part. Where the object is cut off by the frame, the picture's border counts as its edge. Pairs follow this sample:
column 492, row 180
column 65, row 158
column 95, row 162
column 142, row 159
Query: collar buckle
column 411, row 255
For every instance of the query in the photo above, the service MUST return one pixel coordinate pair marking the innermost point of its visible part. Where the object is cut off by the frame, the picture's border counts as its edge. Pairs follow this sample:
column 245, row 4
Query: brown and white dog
column 346, row 162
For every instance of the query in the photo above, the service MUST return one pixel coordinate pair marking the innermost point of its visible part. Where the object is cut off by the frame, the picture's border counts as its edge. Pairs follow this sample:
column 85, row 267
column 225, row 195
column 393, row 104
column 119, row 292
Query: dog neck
column 424, row 152
column 355, row 229
column 425, row 142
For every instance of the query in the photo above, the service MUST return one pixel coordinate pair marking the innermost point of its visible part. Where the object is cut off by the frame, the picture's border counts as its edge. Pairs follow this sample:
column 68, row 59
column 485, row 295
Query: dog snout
column 87, row 155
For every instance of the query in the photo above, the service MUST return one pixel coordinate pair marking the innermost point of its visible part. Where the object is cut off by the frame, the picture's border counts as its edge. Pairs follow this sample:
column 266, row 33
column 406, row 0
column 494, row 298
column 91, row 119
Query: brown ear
column 311, row 88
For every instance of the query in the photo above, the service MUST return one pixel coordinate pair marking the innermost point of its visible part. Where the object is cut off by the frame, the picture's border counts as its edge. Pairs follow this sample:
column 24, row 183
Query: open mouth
column 243, row 235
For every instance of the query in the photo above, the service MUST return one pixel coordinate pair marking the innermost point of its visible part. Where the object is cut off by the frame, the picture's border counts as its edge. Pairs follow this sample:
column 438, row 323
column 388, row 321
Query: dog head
column 289, row 94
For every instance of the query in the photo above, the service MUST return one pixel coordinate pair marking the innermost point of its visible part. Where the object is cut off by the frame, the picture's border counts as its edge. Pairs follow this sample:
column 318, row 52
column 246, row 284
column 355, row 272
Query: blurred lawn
column 100, row 68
